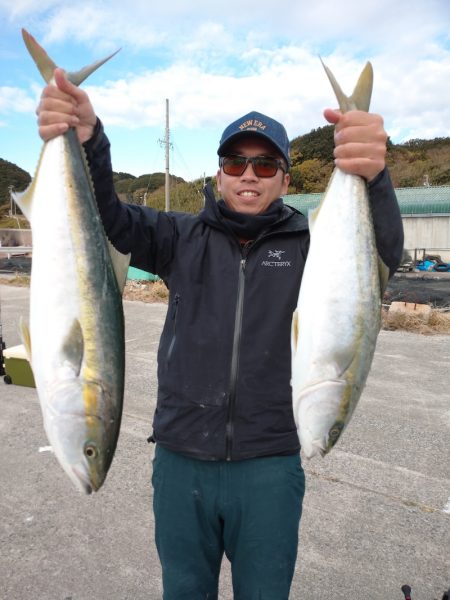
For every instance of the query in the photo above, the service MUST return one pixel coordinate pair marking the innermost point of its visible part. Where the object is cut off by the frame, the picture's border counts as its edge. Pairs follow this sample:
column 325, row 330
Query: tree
column 319, row 143
column 314, row 175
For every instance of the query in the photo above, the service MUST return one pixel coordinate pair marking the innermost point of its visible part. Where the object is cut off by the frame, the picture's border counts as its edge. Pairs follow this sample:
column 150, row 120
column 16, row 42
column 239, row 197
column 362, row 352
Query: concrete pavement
column 376, row 512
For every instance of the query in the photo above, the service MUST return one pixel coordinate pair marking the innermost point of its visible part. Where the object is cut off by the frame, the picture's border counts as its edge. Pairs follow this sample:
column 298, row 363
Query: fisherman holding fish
column 227, row 473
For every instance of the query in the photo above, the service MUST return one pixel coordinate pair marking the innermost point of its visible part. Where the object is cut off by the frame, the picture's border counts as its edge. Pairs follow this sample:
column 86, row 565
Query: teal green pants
column 250, row 510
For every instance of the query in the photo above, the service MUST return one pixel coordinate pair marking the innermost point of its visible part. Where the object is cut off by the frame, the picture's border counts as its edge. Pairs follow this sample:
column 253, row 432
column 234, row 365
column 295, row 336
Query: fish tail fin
column 77, row 77
column 43, row 61
column 360, row 99
column 46, row 65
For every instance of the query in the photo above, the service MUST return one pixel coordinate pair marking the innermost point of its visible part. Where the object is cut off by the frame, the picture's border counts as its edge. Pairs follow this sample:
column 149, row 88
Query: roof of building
column 424, row 200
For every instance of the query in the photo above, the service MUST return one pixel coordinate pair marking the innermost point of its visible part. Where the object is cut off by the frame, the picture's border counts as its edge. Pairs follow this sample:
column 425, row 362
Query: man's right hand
column 62, row 106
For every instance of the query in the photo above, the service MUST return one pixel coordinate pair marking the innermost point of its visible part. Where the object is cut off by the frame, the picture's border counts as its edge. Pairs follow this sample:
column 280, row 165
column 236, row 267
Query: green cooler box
column 17, row 367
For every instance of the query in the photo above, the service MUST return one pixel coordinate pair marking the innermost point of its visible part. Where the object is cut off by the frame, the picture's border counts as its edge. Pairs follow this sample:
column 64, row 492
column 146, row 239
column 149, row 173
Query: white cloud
column 288, row 84
column 216, row 62
column 15, row 100
column 200, row 99
column 179, row 23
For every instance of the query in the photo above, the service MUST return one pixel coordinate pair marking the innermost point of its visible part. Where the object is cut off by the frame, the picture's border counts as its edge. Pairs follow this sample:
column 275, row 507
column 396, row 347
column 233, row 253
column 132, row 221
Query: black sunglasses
column 263, row 166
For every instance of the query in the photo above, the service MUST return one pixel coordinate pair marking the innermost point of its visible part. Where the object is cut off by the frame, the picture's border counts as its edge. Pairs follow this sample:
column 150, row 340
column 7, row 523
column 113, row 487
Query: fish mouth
column 83, row 482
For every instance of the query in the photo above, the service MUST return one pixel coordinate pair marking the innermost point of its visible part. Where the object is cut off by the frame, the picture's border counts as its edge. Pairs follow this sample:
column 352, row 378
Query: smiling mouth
column 248, row 194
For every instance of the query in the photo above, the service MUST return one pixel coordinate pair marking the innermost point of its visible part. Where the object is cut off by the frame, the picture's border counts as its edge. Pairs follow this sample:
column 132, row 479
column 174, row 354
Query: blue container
column 425, row 265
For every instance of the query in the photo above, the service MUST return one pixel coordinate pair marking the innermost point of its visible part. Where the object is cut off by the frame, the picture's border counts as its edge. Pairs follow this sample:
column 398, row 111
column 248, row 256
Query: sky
column 217, row 61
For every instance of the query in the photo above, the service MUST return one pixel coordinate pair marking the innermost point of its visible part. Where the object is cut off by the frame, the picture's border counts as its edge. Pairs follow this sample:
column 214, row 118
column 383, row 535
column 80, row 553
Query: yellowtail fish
column 75, row 339
column 338, row 315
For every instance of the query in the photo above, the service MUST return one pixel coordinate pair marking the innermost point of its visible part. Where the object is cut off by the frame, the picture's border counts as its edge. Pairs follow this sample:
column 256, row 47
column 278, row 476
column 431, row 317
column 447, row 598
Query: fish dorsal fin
column 120, row 263
column 313, row 213
column 24, row 201
column 26, row 337
column 360, row 99
column 312, row 217
column 72, row 348
column 46, row 65
column 383, row 272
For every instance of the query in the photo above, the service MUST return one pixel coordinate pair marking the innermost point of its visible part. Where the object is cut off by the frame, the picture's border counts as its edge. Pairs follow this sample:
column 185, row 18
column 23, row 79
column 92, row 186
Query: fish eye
column 90, row 450
column 334, row 433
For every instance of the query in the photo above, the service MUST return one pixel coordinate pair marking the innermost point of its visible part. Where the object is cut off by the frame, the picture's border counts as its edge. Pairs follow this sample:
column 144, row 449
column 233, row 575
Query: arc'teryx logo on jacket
column 277, row 255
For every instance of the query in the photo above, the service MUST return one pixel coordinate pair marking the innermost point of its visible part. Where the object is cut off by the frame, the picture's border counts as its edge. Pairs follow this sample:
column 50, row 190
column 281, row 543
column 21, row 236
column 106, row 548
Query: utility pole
column 167, row 144
column 11, row 201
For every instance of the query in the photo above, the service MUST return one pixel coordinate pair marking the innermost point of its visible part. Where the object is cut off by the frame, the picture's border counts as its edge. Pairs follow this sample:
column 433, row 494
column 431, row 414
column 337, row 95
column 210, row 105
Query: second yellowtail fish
column 338, row 316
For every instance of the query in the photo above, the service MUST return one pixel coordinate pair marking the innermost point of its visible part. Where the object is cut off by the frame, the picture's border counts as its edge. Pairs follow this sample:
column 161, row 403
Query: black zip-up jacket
column 224, row 358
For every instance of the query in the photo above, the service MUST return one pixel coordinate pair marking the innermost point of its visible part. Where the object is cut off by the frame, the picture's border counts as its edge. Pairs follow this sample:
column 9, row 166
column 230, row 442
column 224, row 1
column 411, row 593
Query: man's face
column 248, row 193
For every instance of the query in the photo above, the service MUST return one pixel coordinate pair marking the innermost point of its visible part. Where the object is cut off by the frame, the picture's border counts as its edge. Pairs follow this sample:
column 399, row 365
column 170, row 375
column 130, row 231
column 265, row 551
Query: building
column 425, row 213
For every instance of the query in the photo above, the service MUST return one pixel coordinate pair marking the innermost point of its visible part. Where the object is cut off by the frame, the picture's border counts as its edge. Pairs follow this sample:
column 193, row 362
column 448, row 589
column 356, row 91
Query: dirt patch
column 146, row 291
column 438, row 323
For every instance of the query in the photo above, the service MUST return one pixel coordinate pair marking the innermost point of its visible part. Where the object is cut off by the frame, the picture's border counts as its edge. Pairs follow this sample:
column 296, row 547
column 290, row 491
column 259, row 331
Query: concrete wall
column 430, row 232
column 15, row 237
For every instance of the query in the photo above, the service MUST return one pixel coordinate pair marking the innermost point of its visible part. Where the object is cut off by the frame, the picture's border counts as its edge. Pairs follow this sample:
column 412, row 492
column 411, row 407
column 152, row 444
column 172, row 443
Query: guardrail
column 15, row 250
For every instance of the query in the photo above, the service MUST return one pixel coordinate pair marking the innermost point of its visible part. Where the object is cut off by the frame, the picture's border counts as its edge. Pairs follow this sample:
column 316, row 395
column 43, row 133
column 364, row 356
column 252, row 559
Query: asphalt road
column 376, row 512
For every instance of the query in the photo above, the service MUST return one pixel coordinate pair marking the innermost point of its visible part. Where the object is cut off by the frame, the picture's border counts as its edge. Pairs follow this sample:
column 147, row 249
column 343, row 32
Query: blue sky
column 217, row 61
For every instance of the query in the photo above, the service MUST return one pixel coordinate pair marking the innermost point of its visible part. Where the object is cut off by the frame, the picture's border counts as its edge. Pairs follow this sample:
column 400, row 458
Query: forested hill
column 411, row 164
column 11, row 176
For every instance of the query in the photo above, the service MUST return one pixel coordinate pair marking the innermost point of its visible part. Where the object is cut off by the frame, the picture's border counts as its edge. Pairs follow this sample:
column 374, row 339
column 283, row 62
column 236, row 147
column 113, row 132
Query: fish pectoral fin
column 26, row 337
column 360, row 99
column 72, row 349
column 120, row 263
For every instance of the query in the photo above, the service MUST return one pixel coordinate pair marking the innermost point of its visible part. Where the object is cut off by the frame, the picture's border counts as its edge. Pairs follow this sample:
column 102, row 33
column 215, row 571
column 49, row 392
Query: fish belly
column 54, row 300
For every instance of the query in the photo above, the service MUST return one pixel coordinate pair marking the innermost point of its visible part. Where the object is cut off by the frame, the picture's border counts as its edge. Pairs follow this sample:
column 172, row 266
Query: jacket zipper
column 175, row 302
column 235, row 357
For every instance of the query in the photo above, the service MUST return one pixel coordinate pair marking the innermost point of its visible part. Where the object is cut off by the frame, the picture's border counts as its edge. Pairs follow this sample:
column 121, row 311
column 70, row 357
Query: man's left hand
column 360, row 142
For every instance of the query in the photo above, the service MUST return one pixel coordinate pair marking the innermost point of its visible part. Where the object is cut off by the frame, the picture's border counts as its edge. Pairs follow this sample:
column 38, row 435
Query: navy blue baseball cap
column 255, row 123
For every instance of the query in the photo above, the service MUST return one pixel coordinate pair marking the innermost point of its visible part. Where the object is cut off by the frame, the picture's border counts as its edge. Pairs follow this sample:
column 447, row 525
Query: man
column 227, row 474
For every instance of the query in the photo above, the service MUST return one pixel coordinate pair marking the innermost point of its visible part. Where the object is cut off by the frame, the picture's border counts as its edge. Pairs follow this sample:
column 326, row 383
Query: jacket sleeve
column 387, row 220
column 146, row 233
